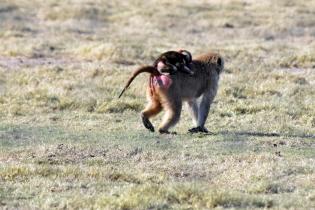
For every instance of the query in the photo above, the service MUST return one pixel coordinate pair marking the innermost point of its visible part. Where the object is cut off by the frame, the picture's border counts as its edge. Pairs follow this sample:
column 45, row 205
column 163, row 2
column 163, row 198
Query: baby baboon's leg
column 193, row 109
column 152, row 109
column 172, row 115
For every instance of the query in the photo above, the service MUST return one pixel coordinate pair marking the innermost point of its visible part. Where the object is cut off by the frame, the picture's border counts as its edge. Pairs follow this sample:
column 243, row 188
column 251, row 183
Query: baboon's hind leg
column 171, row 116
column 152, row 109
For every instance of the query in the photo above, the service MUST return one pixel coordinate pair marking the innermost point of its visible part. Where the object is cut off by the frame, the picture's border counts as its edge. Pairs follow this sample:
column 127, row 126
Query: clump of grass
column 56, row 12
column 26, row 172
column 298, row 61
column 14, row 172
column 300, row 81
column 115, row 106
column 16, row 110
column 268, row 187
column 187, row 196
column 236, row 92
column 123, row 52
column 251, row 109
column 105, row 51
column 122, row 177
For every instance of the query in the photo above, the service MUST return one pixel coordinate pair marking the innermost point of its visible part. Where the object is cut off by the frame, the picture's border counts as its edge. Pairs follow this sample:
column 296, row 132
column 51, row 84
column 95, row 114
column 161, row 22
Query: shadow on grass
column 263, row 134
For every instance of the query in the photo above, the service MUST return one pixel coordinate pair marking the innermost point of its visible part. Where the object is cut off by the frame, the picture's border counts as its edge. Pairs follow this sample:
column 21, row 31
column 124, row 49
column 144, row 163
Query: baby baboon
column 199, row 90
column 172, row 62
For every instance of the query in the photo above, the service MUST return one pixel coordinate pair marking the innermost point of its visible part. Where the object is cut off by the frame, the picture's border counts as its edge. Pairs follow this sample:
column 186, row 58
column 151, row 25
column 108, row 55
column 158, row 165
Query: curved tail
column 148, row 69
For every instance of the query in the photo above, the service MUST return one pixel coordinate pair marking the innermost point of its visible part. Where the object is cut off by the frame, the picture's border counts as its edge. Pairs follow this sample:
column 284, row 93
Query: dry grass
column 66, row 141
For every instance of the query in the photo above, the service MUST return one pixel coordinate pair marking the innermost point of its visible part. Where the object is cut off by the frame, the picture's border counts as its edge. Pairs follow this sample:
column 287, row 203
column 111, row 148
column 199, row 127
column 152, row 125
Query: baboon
column 168, row 63
column 198, row 91
column 168, row 92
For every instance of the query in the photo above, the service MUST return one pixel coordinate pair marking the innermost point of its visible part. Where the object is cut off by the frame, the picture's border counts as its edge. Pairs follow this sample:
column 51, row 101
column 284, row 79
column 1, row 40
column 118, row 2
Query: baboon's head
column 172, row 62
column 218, row 61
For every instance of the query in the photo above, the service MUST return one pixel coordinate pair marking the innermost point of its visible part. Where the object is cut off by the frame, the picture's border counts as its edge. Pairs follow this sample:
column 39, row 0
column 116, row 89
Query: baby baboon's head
column 172, row 62
column 218, row 61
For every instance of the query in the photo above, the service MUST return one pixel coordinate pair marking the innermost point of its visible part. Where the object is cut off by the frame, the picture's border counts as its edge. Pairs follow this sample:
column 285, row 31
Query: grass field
column 67, row 142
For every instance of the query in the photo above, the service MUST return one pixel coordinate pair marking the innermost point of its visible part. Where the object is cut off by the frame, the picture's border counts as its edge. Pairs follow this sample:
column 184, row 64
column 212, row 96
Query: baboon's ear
column 220, row 62
column 187, row 55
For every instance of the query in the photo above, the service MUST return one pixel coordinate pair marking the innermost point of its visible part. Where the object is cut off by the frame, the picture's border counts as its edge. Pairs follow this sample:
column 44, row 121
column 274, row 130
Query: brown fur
column 198, row 90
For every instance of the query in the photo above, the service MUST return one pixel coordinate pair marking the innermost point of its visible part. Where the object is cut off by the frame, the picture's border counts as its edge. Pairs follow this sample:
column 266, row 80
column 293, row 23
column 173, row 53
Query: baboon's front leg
column 203, row 111
column 193, row 109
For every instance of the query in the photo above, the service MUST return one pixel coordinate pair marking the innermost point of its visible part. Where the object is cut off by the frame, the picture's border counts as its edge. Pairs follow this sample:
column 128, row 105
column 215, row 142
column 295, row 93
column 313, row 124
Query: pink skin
column 162, row 81
column 160, row 65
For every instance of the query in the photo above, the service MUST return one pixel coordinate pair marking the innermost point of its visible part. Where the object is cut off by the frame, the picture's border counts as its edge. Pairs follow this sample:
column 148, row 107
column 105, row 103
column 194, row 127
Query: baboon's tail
column 148, row 69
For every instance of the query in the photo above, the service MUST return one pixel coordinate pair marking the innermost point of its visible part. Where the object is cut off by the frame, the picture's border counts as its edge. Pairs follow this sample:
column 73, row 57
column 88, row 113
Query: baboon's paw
column 161, row 131
column 147, row 124
column 198, row 129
